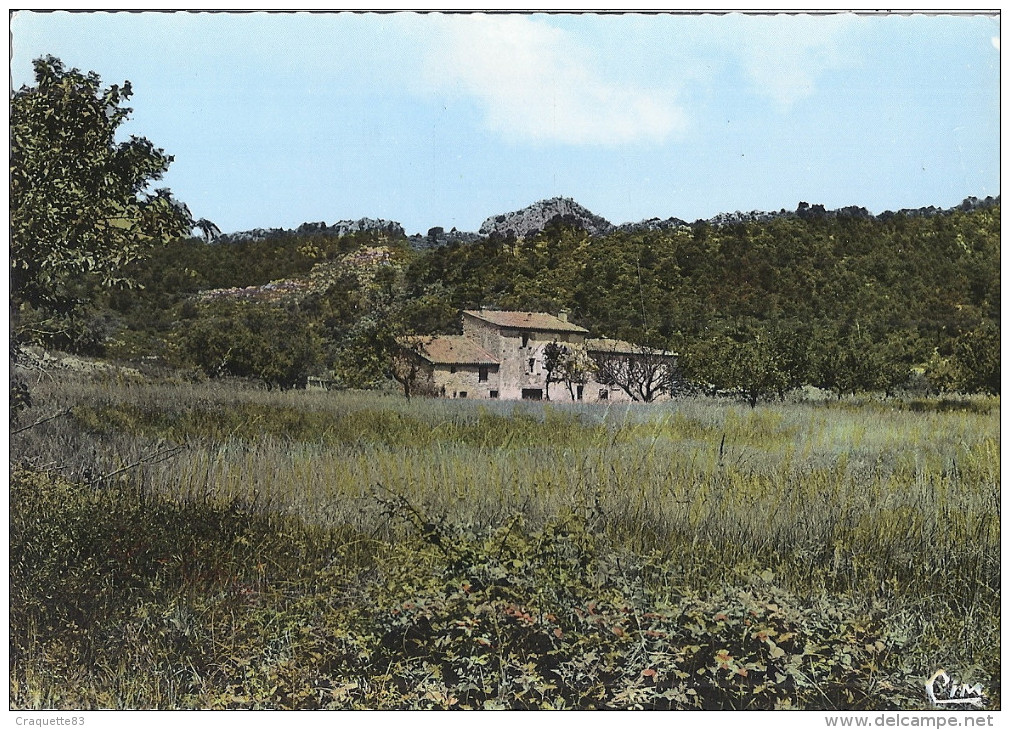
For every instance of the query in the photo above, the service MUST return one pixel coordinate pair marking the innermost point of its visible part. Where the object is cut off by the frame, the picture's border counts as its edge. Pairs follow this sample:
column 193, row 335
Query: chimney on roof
column 563, row 315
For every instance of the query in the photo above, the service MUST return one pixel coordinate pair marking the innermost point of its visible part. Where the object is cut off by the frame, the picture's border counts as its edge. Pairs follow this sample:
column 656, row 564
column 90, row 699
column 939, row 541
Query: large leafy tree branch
column 79, row 199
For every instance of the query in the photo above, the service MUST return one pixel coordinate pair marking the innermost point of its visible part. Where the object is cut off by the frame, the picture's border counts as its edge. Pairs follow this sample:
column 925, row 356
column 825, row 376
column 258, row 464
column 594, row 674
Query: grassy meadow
column 220, row 545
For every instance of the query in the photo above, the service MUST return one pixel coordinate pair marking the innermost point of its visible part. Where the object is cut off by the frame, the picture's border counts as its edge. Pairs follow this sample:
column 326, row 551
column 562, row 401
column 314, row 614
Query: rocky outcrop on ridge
column 806, row 211
column 438, row 236
column 654, row 224
column 968, row 204
column 362, row 263
column 340, row 228
column 534, row 218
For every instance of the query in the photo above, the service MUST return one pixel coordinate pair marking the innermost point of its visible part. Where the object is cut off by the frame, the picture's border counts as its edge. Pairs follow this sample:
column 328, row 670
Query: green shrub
column 553, row 618
column 273, row 344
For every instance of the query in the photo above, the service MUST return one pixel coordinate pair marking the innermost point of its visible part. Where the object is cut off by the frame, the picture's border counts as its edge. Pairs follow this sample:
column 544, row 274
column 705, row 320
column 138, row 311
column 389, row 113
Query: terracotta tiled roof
column 451, row 350
column 622, row 347
column 539, row 321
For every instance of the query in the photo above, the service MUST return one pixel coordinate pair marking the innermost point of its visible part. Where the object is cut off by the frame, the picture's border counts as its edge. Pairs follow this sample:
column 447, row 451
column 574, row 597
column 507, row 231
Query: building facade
column 501, row 355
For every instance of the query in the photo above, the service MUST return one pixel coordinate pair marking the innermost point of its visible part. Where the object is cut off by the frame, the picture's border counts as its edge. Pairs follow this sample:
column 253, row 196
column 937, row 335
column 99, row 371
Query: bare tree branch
column 641, row 372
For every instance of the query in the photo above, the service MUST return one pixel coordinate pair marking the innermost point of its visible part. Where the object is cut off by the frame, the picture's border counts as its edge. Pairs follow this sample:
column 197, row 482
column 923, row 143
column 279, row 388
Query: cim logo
column 942, row 690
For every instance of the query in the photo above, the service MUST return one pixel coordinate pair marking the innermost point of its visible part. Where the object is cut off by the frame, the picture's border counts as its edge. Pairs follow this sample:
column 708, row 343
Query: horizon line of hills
column 535, row 218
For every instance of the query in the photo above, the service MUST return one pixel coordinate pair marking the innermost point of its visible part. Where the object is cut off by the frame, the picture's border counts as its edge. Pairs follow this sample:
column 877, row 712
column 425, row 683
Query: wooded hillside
column 848, row 303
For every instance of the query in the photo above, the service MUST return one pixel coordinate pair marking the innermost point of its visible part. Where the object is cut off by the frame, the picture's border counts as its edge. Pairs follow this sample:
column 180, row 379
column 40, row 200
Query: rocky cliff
column 534, row 218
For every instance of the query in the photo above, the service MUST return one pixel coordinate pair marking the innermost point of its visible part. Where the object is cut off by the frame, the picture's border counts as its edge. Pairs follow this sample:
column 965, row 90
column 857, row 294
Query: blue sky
column 434, row 119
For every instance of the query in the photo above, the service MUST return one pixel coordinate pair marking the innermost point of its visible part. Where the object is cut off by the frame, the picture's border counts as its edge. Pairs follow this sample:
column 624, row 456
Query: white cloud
column 535, row 81
column 784, row 55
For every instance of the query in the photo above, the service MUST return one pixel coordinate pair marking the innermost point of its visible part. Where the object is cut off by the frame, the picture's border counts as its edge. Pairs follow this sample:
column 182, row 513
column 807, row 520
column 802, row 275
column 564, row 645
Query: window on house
column 462, row 394
column 492, row 394
column 526, row 339
column 578, row 393
column 533, row 364
column 482, row 374
column 603, row 393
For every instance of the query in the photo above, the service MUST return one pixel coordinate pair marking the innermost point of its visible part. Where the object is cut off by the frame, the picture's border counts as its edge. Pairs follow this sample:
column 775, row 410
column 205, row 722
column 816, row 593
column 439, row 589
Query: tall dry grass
column 839, row 493
column 887, row 499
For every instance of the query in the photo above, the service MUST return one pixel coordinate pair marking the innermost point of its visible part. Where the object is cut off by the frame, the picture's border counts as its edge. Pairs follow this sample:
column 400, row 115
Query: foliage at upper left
column 79, row 200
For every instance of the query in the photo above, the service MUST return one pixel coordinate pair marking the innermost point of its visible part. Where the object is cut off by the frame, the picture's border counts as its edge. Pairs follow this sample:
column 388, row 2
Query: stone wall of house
column 483, row 333
column 521, row 355
column 521, row 372
column 463, row 381
column 453, row 381
column 515, row 349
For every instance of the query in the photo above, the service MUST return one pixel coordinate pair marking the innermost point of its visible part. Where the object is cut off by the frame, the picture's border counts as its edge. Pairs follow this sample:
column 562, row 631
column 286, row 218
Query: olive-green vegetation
column 850, row 304
column 218, row 545
column 80, row 208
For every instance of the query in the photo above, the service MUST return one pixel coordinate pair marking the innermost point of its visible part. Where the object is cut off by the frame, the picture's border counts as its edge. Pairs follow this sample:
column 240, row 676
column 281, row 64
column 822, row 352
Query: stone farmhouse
column 500, row 355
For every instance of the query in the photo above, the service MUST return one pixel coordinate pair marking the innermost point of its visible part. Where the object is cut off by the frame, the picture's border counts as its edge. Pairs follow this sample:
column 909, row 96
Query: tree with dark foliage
column 79, row 205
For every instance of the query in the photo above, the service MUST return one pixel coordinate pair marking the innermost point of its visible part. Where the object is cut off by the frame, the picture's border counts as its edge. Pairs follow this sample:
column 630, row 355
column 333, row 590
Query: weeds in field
column 262, row 565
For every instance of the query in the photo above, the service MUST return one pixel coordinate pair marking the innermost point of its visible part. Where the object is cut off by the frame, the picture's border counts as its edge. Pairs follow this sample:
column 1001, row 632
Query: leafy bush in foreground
column 118, row 601
column 549, row 619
